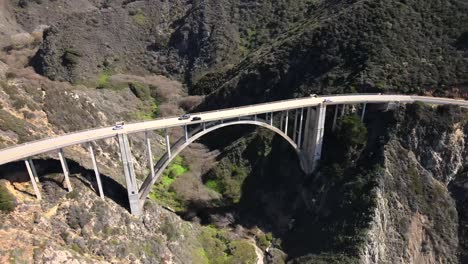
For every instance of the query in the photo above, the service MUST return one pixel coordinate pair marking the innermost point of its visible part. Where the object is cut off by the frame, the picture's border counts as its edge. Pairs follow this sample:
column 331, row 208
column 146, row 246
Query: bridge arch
column 181, row 144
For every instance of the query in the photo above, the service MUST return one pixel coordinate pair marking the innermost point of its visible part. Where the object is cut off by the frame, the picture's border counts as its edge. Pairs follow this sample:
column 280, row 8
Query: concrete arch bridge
column 299, row 121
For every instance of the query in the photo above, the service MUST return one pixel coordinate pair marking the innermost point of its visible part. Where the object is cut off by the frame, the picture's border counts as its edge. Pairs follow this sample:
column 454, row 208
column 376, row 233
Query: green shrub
column 352, row 131
column 72, row 195
column 214, row 185
column 7, row 200
column 218, row 248
column 264, row 240
column 103, row 79
column 162, row 191
column 140, row 90
column 242, row 252
column 139, row 17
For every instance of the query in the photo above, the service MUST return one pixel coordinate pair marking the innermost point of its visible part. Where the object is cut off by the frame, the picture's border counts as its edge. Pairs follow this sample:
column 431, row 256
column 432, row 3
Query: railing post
column 33, row 176
column 66, row 172
column 168, row 143
column 150, row 153
column 129, row 173
column 96, row 171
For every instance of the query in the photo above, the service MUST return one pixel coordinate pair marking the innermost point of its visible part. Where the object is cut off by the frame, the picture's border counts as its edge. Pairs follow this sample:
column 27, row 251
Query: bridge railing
column 146, row 121
column 212, row 111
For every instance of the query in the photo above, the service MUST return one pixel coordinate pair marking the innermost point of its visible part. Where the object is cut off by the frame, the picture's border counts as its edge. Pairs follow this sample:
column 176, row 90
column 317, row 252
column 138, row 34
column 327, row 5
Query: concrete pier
column 66, row 171
column 129, row 173
column 33, row 176
column 96, row 171
column 311, row 148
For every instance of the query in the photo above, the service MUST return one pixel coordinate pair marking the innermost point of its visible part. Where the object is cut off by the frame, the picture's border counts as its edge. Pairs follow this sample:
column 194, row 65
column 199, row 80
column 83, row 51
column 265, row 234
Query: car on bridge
column 327, row 100
column 119, row 125
column 196, row 118
column 184, row 117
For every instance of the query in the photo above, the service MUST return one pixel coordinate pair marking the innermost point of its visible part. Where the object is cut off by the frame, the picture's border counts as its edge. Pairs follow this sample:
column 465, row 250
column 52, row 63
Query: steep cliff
column 416, row 219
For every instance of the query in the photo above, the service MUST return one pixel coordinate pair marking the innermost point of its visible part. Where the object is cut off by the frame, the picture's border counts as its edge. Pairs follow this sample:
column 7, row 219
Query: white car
column 119, row 125
column 327, row 100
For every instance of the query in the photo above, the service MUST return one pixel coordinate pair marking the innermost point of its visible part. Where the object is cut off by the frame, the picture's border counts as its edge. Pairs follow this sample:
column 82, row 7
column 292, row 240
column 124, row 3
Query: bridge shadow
column 50, row 176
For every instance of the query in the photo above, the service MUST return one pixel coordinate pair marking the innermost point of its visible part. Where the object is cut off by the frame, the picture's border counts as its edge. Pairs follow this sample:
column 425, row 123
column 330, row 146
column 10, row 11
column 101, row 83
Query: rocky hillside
column 183, row 39
column 77, row 227
column 348, row 46
column 389, row 190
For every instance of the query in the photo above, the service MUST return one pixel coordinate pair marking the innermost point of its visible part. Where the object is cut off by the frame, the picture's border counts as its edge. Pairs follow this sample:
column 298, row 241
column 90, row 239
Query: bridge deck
column 55, row 143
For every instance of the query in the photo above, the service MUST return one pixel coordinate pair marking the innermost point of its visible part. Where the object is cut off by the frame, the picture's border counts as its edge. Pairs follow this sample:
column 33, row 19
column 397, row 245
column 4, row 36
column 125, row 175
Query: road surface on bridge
column 58, row 142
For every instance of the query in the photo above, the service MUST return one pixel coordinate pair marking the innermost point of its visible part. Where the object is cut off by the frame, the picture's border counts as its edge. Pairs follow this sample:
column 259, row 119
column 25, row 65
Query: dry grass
column 190, row 102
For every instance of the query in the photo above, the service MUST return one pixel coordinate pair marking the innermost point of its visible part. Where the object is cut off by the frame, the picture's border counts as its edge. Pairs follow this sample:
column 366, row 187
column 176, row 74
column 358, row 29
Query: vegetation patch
column 140, row 90
column 20, row 127
column 103, row 79
column 219, row 248
column 148, row 111
column 227, row 179
column 139, row 17
column 7, row 200
column 163, row 192
column 352, row 131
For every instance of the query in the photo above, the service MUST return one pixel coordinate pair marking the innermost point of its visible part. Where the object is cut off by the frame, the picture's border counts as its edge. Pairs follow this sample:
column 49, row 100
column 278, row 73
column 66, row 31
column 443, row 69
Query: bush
column 7, row 200
column 242, row 252
column 352, row 131
column 140, row 90
column 139, row 17
column 103, row 79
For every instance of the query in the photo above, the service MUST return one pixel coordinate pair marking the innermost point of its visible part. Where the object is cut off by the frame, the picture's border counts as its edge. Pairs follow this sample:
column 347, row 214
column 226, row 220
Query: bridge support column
column 363, row 111
column 271, row 119
column 301, row 119
column 186, row 132
column 33, row 176
column 129, row 173
column 311, row 149
column 343, row 110
column 286, row 123
column 96, row 171
column 168, row 143
column 295, row 125
column 150, row 154
column 281, row 120
column 334, row 118
column 66, row 171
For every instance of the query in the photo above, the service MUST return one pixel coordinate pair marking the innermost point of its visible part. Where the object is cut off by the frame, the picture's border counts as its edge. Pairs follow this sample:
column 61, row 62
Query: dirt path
column 258, row 251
